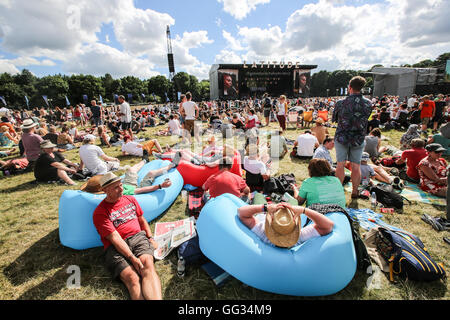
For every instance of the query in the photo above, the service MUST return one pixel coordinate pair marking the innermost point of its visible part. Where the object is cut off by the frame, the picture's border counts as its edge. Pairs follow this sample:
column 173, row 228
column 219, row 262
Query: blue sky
column 126, row 37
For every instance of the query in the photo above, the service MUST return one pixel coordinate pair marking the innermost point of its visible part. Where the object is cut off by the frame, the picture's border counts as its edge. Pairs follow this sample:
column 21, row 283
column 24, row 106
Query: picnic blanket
column 368, row 219
column 413, row 193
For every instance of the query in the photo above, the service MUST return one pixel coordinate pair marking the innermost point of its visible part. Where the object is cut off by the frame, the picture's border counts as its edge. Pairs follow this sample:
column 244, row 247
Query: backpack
column 191, row 253
column 284, row 182
column 387, row 196
column 407, row 256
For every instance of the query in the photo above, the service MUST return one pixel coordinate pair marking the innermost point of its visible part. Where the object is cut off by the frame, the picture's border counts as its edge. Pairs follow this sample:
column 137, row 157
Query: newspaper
column 170, row 235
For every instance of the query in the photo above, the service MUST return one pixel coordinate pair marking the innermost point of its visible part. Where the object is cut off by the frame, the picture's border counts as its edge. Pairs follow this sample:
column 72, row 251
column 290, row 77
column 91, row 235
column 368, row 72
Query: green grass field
column 34, row 265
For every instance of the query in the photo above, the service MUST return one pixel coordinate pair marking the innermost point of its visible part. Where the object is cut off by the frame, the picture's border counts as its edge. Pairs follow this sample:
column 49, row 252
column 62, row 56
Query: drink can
column 387, row 210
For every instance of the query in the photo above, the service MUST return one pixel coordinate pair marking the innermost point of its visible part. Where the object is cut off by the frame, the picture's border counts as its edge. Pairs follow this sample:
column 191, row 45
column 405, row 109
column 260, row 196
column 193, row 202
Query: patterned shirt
column 352, row 116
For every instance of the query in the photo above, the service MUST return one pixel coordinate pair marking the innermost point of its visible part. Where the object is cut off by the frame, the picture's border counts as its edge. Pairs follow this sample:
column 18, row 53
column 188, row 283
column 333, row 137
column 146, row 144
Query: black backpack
column 387, row 196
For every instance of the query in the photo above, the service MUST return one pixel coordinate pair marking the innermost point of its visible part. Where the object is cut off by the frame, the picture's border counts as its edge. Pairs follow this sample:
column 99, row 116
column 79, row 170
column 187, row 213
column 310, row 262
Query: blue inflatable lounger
column 318, row 267
column 76, row 208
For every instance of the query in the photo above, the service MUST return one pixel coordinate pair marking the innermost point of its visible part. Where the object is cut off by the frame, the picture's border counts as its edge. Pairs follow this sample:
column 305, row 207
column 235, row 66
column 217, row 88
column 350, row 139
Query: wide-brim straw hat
column 282, row 230
column 28, row 124
column 93, row 185
column 108, row 179
column 46, row 144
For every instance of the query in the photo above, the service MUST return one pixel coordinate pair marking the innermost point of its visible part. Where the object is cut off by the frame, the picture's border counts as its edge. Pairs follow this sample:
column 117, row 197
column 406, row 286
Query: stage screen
column 302, row 82
column 228, row 83
column 447, row 72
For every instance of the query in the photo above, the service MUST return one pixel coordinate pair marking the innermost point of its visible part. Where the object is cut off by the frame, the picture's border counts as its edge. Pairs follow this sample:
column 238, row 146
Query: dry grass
column 34, row 263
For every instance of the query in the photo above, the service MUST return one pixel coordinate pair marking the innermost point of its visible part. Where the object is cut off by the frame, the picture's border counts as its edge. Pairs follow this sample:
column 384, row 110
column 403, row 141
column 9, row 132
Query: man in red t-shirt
column 127, row 240
column 225, row 181
column 427, row 110
column 412, row 158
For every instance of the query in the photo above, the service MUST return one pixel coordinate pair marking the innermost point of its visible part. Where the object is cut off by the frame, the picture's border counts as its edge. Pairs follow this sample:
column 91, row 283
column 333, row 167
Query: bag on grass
column 407, row 256
column 387, row 196
column 191, row 253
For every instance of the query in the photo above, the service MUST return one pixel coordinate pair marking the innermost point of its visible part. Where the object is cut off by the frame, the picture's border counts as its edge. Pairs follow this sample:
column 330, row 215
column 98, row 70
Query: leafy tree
column 55, row 87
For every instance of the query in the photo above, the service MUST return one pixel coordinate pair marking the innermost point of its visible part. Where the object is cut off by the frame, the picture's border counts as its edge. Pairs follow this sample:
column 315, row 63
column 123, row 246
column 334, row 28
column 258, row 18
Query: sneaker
column 433, row 222
column 396, row 180
column 176, row 159
column 145, row 156
column 394, row 172
column 157, row 155
column 447, row 240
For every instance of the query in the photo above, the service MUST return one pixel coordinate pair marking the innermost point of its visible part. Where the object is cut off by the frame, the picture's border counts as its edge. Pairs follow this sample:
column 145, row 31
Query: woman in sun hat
column 279, row 224
column 52, row 166
column 31, row 141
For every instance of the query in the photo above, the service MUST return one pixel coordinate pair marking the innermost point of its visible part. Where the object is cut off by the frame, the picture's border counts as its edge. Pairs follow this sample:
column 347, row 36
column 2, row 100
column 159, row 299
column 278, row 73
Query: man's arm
column 122, row 247
column 322, row 224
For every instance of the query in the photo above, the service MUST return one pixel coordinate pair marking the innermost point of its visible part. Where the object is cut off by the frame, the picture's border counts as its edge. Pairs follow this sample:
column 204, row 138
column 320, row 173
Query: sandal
column 432, row 221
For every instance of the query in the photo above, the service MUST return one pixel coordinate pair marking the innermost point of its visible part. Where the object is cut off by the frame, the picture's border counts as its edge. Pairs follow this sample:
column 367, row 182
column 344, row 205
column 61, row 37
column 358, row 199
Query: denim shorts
column 350, row 153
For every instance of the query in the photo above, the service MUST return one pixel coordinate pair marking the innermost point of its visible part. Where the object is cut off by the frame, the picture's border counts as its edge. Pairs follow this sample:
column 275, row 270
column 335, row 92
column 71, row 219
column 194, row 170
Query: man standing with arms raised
column 352, row 116
column 189, row 110
column 125, row 116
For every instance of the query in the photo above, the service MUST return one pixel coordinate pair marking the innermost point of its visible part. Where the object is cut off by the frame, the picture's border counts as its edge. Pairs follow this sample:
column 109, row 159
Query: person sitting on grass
column 412, row 158
column 133, row 148
column 94, row 159
column 127, row 240
column 6, row 139
column 321, row 187
column 433, row 171
column 52, row 166
column 283, row 216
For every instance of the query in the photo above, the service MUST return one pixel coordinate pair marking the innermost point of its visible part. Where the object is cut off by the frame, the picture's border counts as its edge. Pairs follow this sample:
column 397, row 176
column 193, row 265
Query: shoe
column 176, row 159
column 394, row 172
column 157, row 155
column 444, row 222
column 145, row 156
column 432, row 221
column 447, row 240
column 396, row 180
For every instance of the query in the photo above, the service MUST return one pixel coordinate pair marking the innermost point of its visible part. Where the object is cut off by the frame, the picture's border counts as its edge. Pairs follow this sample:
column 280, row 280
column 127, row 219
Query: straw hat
column 93, row 185
column 320, row 120
column 28, row 124
column 282, row 230
column 47, row 144
column 108, row 179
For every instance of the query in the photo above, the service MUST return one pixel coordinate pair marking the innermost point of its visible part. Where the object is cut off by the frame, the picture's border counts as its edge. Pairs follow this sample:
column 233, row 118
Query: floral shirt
column 426, row 184
column 352, row 116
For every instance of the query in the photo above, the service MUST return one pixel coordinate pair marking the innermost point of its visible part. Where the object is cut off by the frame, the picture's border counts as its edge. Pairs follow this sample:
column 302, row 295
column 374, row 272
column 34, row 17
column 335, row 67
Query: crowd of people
column 35, row 141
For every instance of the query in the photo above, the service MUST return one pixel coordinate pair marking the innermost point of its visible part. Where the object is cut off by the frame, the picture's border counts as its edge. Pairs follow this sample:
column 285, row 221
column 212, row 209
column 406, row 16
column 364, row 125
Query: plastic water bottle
column 373, row 200
column 181, row 267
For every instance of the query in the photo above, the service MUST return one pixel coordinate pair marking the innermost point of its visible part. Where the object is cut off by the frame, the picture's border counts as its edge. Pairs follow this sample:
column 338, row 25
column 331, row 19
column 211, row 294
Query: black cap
column 435, row 147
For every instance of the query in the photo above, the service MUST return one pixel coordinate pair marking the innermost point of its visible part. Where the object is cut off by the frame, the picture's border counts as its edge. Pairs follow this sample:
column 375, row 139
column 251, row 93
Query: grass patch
column 34, row 263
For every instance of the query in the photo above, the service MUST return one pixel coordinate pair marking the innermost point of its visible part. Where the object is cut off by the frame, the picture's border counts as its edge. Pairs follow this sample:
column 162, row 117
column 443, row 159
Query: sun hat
column 108, row 179
column 282, row 229
column 365, row 156
column 28, row 124
column 435, row 147
column 47, row 144
column 89, row 137
column 319, row 120
column 93, row 185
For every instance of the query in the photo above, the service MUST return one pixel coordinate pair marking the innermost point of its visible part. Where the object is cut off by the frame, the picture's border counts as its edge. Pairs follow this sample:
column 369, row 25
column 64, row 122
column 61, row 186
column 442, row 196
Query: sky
column 128, row 37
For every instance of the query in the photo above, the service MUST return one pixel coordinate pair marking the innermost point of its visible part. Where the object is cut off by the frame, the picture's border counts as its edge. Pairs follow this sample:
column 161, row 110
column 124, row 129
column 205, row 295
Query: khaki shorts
column 131, row 178
column 425, row 121
column 139, row 245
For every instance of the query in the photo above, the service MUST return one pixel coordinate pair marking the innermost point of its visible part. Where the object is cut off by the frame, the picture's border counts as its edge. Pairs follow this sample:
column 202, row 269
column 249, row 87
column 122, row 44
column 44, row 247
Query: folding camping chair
column 292, row 118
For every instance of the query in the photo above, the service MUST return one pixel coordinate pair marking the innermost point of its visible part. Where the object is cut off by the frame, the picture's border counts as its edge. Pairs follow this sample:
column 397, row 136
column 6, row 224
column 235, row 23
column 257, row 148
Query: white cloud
column 233, row 43
column 239, row 9
column 226, row 56
column 8, row 67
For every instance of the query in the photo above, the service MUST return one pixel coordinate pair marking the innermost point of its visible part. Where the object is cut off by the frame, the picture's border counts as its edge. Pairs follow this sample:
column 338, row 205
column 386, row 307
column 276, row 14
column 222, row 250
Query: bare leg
column 356, row 177
column 131, row 280
column 63, row 175
column 151, row 284
column 340, row 171
column 381, row 174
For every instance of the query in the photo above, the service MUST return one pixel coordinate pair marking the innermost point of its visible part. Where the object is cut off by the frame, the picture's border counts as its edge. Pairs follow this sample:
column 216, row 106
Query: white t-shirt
column 254, row 166
column 306, row 143
column 174, row 126
column 281, row 110
column 90, row 155
column 125, row 109
column 132, row 148
column 189, row 109
column 306, row 233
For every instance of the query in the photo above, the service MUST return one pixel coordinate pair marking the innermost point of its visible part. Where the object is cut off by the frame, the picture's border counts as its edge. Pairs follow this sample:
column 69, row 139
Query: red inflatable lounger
column 197, row 175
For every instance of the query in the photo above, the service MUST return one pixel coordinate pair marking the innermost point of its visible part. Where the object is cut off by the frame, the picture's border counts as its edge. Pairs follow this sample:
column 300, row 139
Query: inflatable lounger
column 196, row 175
column 318, row 267
column 76, row 208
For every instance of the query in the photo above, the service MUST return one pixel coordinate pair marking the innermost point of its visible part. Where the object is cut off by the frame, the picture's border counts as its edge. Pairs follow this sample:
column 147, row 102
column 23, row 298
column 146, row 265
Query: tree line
column 158, row 89
column 334, row 81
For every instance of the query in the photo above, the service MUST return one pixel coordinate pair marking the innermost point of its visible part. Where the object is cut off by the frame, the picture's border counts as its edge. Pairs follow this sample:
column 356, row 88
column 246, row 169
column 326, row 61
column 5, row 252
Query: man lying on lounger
column 281, row 225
